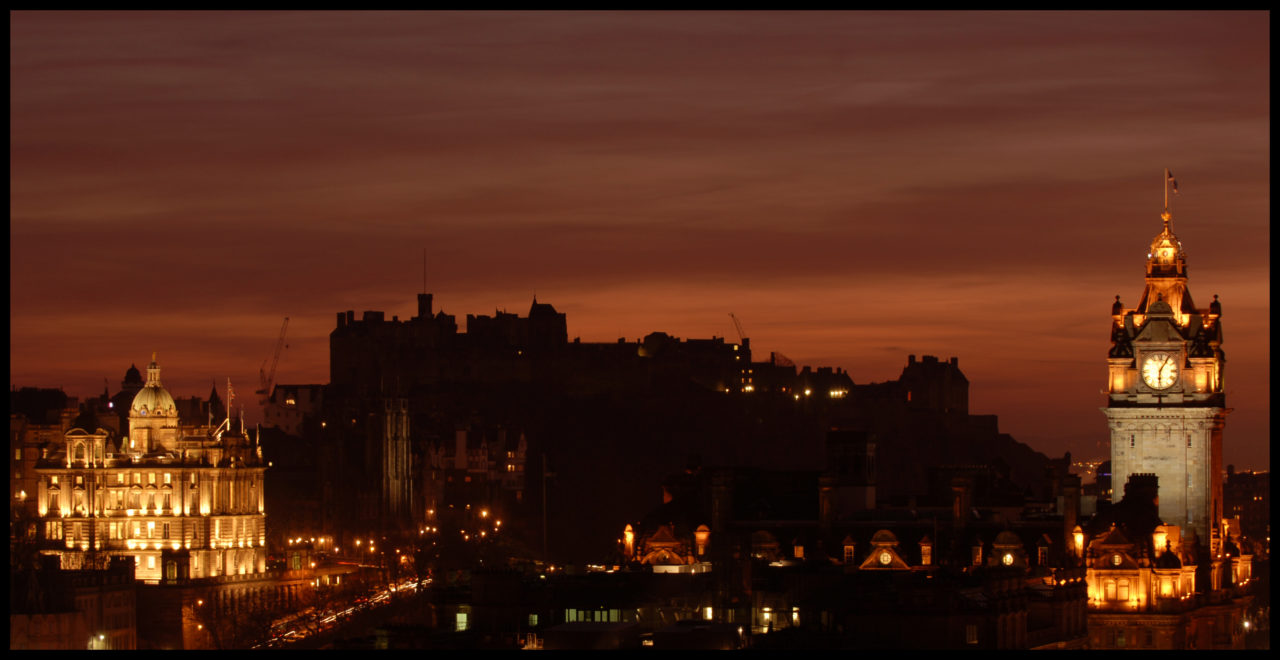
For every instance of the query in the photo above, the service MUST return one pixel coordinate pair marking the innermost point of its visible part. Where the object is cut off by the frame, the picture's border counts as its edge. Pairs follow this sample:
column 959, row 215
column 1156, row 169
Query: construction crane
column 268, row 378
column 738, row 324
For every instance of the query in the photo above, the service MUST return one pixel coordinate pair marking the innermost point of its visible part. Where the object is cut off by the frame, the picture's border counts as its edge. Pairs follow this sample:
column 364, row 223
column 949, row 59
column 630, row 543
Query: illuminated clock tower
column 1166, row 407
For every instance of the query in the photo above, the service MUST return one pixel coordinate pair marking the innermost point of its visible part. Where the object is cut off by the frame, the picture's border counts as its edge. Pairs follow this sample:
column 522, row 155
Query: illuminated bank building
column 185, row 501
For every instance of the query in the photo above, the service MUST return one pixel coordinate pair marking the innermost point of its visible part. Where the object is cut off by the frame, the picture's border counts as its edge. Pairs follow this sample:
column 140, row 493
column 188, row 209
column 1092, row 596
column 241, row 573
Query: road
column 356, row 620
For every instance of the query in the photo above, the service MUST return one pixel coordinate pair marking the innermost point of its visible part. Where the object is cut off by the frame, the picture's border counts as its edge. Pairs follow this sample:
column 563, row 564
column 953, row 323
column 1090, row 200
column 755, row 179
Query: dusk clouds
column 969, row 184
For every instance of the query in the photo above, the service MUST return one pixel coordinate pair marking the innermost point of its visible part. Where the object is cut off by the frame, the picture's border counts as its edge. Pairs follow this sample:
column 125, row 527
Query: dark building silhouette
column 1247, row 501
column 592, row 413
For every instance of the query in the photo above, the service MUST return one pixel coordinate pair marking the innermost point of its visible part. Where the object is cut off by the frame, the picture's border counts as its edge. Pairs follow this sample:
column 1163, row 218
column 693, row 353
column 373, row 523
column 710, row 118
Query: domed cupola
column 1166, row 258
column 153, row 399
column 1167, row 276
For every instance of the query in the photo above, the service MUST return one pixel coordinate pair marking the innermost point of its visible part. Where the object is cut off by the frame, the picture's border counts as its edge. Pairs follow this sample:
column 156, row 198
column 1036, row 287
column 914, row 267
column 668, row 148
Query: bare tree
column 239, row 623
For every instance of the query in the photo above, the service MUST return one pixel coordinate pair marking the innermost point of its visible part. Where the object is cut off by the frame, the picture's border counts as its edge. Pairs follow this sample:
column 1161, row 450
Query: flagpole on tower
column 1168, row 178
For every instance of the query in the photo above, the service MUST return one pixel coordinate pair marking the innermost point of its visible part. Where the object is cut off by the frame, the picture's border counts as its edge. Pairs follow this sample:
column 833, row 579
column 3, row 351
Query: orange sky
column 855, row 187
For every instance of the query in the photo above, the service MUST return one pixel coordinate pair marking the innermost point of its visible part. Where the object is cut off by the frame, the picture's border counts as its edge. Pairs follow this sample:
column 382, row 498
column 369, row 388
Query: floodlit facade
column 1166, row 405
column 184, row 502
column 1167, row 573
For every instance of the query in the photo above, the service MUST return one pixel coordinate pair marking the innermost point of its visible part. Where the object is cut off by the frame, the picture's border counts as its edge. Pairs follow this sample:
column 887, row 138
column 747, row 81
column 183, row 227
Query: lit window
column 166, row 477
column 17, row 454
column 53, row 481
column 461, row 621
column 971, row 634
column 151, row 478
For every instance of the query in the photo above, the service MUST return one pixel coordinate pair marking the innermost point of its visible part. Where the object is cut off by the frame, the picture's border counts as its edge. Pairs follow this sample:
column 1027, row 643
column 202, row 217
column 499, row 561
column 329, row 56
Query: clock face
column 1007, row 559
column 885, row 558
column 1159, row 370
column 1115, row 559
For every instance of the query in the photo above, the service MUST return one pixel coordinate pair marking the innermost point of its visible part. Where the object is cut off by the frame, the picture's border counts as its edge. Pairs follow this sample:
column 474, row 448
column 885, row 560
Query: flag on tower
column 1172, row 181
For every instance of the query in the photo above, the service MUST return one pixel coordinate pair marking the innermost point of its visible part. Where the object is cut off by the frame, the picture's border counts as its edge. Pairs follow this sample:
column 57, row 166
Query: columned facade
column 185, row 502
